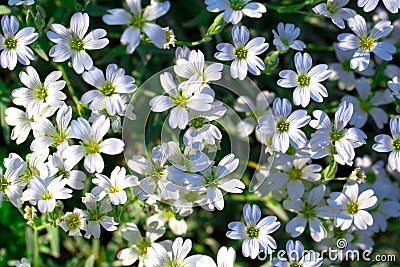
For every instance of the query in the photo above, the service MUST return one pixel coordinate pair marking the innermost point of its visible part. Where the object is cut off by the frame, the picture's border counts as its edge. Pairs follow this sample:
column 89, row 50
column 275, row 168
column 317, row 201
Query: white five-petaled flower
column 335, row 139
column 283, row 126
column 194, row 67
column 365, row 41
column 36, row 96
column 15, row 43
column 73, row 43
column 244, row 53
column 140, row 245
column 73, row 222
column 110, row 88
column 158, row 256
column 335, row 10
column 11, row 184
column 46, row 192
column 255, row 232
column 306, row 80
column 385, row 143
column 341, row 70
column 138, row 20
column 297, row 256
column 113, row 187
column 392, row 5
column 92, row 144
column 366, row 105
column 50, row 135
column 286, row 37
column 96, row 215
column 181, row 99
column 352, row 207
column 235, row 9
column 214, row 179
column 309, row 211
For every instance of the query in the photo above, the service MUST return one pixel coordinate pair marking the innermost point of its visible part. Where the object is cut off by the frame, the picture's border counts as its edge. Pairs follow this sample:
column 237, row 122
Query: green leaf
column 54, row 239
column 271, row 62
column 4, row 126
column 4, row 10
column 39, row 51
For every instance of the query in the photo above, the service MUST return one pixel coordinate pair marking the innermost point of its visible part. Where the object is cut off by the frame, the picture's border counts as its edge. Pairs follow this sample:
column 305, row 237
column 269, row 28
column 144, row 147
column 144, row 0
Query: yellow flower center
column 367, row 42
column 303, row 80
column 10, row 43
column 107, row 89
column 396, row 144
column 77, row 44
column 47, row 196
column 352, row 207
column 241, row 53
column 252, row 232
column 114, row 189
column 282, row 126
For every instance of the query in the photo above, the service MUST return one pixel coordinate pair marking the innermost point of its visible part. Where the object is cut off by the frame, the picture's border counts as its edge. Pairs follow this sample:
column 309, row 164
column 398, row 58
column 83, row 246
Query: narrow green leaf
column 4, row 10
column 90, row 261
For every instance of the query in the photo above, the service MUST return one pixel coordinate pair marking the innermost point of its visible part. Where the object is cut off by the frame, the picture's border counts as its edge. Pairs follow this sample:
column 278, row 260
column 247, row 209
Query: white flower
column 341, row 71
column 75, row 178
column 235, row 9
column 194, row 68
column 306, row 80
column 352, row 207
column 181, row 99
column 156, row 175
column 335, row 139
column 73, row 222
column 394, row 86
column 24, row 261
column 139, row 20
column 368, row 105
column 369, row 5
column 200, row 127
column 335, row 10
column 10, row 182
column 244, row 53
column 286, row 37
column 113, row 187
column 215, row 178
column 23, row 122
column 309, row 211
column 170, row 38
column 255, row 232
column 110, row 88
column 20, row 2
column 46, row 192
column 385, row 143
column 73, row 43
column 365, row 41
column 96, row 215
column 297, row 256
column 140, row 246
column 284, row 127
column 36, row 96
column 50, row 135
column 92, row 144
column 15, row 43
column 157, row 255
column 178, row 227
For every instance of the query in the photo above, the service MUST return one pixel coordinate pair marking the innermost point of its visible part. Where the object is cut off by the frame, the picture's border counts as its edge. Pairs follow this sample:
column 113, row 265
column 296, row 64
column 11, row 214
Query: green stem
column 36, row 248
column 71, row 90
column 190, row 43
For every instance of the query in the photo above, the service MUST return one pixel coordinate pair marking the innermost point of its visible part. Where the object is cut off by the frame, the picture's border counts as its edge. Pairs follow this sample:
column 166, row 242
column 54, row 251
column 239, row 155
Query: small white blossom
column 244, row 53
column 286, row 37
column 139, row 20
column 352, row 206
column 283, row 126
column 297, row 256
column 74, row 44
column 15, row 43
column 110, row 89
column 365, row 41
column 73, row 222
column 385, row 143
column 335, row 10
column 306, row 79
column 46, row 192
column 113, row 187
column 369, row 5
column 255, row 232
